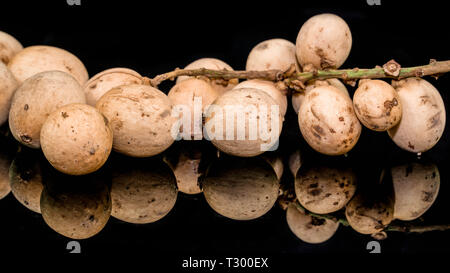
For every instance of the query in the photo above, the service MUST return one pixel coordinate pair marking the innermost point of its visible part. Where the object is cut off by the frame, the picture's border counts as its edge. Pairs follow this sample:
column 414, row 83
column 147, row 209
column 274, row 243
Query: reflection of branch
column 295, row 80
column 418, row 228
column 407, row 228
column 342, row 221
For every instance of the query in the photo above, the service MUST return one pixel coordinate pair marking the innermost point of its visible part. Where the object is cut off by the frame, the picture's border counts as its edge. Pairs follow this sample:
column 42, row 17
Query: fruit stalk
column 295, row 80
column 271, row 75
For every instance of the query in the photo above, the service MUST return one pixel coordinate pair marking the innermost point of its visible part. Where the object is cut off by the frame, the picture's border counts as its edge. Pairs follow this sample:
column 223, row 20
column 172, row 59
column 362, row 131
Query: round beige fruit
column 268, row 87
column 5, row 187
column 141, row 119
column 8, row 85
column 271, row 54
column 216, row 64
column 367, row 215
column 328, row 122
column 308, row 228
column 104, row 81
column 36, row 99
column 423, row 115
column 195, row 95
column 143, row 193
column 416, row 187
column 298, row 97
column 324, row 41
column 76, row 212
column 377, row 105
column 26, row 180
column 241, row 189
column 9, row 46
column 256, row 128
column 35, row 59
column 325, row 190
column 76, row 139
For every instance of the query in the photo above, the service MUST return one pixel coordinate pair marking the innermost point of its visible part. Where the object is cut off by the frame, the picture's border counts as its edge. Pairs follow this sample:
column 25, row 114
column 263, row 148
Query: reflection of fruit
column 328, row 122
column 323, row 41
column 26, row 180
column 308, row 228
column 416, row 188
column 377, row 105
column 276, row 162
column 368, row 214
column 271, row 54
column 35, row 59
column 76, row 139
column 38, row 97
column 241, row 189
column 324, row 190
column 295, row 162
column 5, row 187
column 140, row 117
column 75, row 207
column 185, row 164
column 143, row 193
column 423, row 118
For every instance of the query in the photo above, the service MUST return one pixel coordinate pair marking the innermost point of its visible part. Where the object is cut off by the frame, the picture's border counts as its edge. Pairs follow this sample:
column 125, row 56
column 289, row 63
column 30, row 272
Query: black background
column 154, row 38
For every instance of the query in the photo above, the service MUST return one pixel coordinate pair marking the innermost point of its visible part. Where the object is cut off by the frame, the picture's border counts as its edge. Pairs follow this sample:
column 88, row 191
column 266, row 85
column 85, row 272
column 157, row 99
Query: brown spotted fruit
column 244, row 122
column 271, row 54
column 141, row 119
column 36, row 99
column 268, row 87
column 76, row 139
column 298, row 97
column 35, row 59
column 377, row 105
column 194, row 95
column 104, row 81
column 328, row 122
column 324, row 41
column 423, row 115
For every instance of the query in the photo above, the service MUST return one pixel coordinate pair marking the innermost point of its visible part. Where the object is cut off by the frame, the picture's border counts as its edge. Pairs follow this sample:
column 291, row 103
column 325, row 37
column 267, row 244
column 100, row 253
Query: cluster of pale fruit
column 76, row 121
